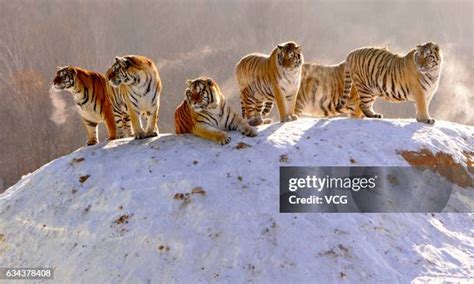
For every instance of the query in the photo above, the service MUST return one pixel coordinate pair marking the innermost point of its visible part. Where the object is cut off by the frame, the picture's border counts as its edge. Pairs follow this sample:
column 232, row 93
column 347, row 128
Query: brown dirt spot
column 77, row 160
column 198, row 190
column 343, row 275
column 353, row 161
column 284, row 158
column 163, row 248
column 469, row 161
column 122, row 220
column 242, row 145
column 441, row 163
column 392, row 180
column 182, row 196
column 83, row 179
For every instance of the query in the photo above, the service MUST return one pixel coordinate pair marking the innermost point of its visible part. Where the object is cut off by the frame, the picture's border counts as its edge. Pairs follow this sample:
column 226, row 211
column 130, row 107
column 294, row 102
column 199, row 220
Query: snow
column 125, row 223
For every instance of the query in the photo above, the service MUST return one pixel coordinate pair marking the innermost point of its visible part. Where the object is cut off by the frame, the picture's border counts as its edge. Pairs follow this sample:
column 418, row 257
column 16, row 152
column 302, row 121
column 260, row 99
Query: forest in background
column 187, row 39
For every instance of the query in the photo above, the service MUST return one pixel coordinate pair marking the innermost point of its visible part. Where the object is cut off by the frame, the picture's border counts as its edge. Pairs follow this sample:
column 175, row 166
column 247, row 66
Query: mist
column 187, row 39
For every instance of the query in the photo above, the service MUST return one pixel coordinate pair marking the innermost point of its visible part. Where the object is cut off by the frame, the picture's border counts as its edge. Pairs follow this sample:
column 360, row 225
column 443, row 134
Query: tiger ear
column 72, row 69
column 209, row 82
column 119, row 59
column 188, row 95
column 189, row 82
column 59, row 68
column 298, row 48
column 280, row 46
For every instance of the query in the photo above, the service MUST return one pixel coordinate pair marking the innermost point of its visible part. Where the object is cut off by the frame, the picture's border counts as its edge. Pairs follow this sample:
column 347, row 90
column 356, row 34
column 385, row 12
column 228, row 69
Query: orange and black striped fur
column 378, row 72
column 205, row 113
column 138, row 84
column 264, row 79
column 320, row 91
column 93, row 96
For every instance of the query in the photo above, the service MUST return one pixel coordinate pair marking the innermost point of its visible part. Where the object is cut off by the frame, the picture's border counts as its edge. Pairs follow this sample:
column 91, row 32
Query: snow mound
column 182, row 209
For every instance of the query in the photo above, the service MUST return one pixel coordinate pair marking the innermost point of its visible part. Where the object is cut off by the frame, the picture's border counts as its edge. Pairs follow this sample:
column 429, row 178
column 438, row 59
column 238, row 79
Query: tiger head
column 428, row 57
column 128, row 70
column 203, row 93
column 65, row 78
column 289, row 55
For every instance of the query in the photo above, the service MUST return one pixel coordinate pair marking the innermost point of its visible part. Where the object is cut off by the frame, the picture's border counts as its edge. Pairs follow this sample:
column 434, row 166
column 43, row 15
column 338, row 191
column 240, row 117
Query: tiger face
column 289, row 55
column 65, row 78
column 428, row 57
column 125, row 70
column 202, row 94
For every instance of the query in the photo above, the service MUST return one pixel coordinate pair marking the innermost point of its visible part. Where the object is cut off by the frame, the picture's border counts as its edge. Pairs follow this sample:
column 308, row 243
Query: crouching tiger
column 320, row 91
column 379, row 72
column 138, row 84
column 264, row 79
column 95, row 99
column 204, row 112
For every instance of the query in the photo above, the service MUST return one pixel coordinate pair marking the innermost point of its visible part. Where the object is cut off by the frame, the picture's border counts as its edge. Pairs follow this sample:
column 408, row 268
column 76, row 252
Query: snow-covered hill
column 182, row 209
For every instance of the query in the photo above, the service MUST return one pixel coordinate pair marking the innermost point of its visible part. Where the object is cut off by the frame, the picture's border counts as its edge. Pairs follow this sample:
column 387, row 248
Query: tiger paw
column 91, row 142
column 255, row 121
column 426, row 120
column 293, row 117
column 250, row 132
column 267, row 121
column 121, row 136
column 151, row 134
column 376, row 115
column 286, row 118
column 223, row 139
column 139, row 135
column 110, row 138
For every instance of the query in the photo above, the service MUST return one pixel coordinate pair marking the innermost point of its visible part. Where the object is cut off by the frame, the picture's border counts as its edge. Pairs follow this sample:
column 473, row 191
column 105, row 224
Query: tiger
column 205, row 113
column 95, row 100
column 320, row 91
column 264, row 79
column 378, row 72
column 138, row 82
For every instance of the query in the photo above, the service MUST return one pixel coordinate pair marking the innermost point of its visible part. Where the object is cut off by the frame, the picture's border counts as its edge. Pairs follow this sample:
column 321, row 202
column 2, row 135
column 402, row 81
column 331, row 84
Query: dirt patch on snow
column 442, row 163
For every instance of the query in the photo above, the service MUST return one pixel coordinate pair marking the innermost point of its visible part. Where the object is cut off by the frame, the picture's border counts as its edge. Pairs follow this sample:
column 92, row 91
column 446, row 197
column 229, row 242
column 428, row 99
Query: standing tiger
column 205, row 113
column 379, row 72
column 264, row 79
column 95, row 99
column 320, row 92
column 138, row 83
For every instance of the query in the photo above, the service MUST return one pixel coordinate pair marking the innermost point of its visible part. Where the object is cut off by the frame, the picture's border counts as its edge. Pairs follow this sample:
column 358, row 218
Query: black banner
column 364, row 189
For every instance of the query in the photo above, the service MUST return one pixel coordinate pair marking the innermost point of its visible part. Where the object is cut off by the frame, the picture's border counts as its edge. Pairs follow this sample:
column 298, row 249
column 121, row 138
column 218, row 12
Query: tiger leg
column 138, row 132
column 238, row 123
column 250, row 107
column 281, row 103
column 292, row 105
column 267, row 107
column 422, row 109
column 151, row 118
column 119, row 124
column 366, row 103
column 127, row 128
column 210, row 133
column 356, row 112
column 91, row 128
column 110, row 125
column 300, row 102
